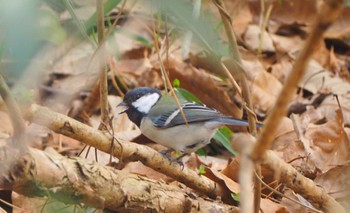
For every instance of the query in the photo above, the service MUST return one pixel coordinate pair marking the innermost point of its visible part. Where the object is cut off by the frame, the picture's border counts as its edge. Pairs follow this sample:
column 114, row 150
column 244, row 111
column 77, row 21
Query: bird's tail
column 235, row 122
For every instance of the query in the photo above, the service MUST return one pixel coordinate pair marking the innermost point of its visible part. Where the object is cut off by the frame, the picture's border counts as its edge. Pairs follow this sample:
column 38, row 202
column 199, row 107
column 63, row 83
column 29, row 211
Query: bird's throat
column 135, row 116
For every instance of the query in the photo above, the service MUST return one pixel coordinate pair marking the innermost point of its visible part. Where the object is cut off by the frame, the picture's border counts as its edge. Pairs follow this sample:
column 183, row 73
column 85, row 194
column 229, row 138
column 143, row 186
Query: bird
column 160, row 120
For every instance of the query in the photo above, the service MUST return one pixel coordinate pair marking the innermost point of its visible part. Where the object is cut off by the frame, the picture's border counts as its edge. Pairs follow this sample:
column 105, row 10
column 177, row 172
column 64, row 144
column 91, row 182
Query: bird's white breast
column 181, row 138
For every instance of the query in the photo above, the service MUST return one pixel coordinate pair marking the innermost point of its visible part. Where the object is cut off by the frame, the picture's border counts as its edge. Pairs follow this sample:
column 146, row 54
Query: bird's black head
column 138, row 102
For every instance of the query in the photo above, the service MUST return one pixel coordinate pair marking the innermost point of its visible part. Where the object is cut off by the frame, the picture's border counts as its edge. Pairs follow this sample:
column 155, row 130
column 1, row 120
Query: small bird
column 160, row 120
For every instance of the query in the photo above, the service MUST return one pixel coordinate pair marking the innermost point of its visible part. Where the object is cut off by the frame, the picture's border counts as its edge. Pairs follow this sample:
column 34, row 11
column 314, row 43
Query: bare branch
column 77, row 180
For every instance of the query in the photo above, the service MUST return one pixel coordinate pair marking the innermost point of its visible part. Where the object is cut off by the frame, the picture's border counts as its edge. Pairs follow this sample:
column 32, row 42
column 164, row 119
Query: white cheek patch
column 145, row 103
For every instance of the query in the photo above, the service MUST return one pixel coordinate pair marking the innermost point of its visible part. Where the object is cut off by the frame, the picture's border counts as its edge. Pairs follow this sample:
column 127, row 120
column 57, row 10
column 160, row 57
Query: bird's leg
column 165, row 154
column 178, row 159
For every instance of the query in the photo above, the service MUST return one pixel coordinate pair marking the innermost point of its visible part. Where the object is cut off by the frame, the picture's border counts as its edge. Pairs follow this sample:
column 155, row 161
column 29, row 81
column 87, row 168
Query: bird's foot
column 171, row 160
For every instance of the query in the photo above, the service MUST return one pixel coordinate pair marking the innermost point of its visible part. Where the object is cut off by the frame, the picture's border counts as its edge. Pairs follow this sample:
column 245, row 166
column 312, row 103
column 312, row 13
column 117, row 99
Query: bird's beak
column 123, row 104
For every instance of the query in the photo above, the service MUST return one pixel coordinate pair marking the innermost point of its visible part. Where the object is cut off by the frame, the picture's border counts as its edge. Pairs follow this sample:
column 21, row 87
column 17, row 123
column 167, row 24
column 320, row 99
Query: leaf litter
column 319, row 147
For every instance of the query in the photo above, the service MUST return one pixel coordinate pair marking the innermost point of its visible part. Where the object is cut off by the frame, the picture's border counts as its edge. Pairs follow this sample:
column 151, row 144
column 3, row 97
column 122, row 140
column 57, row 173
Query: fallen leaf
column 140, row 169
column 253, row 39
column 316, row 78
column 263, row 95
column 327, row 144
column 285, row 44
column 289, row 12
column 336, row 181
column 282, row 68
column 228, row 186
column 267, row 206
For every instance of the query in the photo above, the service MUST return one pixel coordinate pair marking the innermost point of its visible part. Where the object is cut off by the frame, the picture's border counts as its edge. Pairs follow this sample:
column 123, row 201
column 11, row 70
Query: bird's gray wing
column 194, row 112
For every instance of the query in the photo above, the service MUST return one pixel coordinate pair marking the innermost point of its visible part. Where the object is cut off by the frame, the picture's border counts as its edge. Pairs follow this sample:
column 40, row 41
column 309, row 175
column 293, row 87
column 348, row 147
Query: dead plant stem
column 103, row 74
column 239, row 71
column 15, row 114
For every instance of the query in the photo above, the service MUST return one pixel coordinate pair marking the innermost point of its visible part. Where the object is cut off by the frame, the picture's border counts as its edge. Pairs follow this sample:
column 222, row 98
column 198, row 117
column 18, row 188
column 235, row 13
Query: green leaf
column 201, row 152
column 236, row 196
column 201, row 169
column 142, row 41
column 185, row 95
column 223, row 136
column 176, row 83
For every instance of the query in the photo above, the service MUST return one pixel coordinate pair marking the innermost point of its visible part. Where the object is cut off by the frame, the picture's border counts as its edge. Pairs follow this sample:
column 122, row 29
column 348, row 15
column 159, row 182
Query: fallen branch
column 77, row 180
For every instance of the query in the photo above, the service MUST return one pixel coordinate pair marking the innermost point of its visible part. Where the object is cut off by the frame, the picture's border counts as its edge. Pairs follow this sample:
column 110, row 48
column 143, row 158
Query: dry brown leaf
column 264, row 87
column 327, row 144
column 268, row 206
column 291, row 205
column 322, row 54
column 215, row 163
column 232, row 169
column 338, row 66
column 329, row 105
column 288, row 147
column 303, row 13
column 315, row 78
column 228, row 186
column 282, row 68
column 138, row 168
column 285, row 44
column 289, row 12
column 333, row 61
column 150, row 78
column 340, row 29
column 336, row 181
column 252, row 39
column 241, row 16
column 238, row 10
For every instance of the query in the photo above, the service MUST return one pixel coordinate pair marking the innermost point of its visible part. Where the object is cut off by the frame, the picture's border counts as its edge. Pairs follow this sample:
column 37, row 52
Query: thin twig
column 263, row 25
column 238, row 69
column 282, row 195
column 241, row 74
column 167, row 82
column 103, row 74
